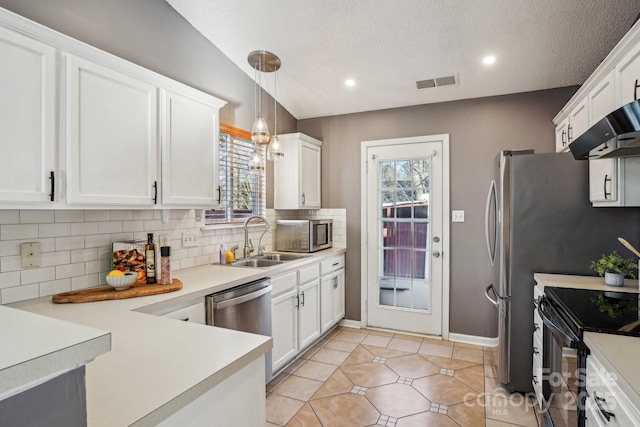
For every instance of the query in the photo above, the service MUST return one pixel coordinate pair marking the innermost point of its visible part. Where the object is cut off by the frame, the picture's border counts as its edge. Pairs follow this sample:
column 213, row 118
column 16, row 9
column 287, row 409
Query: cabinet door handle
column 564, row 132
column 535, row 350
column 606, row 414
column 635, row 90
column 535, row 379
column 302, row 302
column 155, row 192
column 335, row 282
column 606, row 179
column 334, row 264
column 297, row 301
column 52, row 177
column 535, row 327
column 219, row 194
column 569, row 134
column 185, row 319
column 303, row 199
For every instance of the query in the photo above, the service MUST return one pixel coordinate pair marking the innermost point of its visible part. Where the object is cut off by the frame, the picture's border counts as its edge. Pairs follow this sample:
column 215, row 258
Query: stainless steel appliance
column 244, row 308
column 616, row 135
column 568, row 313
column 539, row 220
column 304, row 235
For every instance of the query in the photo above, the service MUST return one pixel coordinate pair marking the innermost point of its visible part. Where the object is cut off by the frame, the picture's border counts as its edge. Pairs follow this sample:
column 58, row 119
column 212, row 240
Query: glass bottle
column 150, row 259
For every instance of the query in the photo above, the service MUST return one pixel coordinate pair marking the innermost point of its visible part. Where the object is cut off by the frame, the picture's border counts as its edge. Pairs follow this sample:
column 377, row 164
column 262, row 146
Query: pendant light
column 264, row 62
column 256, row 163
column 274, row 149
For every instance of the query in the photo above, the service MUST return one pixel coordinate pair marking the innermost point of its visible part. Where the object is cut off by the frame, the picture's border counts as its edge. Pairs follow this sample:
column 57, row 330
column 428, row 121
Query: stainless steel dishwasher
column 244, row 308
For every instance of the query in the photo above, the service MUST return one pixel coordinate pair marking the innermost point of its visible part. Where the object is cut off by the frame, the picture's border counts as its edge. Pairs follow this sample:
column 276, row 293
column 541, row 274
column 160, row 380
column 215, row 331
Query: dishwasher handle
column 243, row 298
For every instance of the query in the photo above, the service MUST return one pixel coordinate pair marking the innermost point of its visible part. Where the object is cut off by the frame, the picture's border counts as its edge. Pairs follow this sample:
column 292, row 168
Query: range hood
column 616, row 135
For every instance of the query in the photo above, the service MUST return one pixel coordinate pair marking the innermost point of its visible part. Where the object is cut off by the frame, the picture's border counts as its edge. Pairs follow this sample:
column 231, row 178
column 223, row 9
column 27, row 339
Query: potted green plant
column 614, row 268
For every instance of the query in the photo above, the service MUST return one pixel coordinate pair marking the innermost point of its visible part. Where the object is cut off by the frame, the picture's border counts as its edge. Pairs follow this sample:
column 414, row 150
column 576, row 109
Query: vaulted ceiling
column 386, row 46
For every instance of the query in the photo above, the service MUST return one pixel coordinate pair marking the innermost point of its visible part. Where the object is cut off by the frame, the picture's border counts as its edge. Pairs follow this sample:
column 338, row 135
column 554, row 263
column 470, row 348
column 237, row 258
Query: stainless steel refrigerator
column 539, row 219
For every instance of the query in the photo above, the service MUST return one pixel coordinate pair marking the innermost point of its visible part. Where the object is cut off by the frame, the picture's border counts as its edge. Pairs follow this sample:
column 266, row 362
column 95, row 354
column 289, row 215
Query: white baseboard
column 472, row 339
column 356, row 324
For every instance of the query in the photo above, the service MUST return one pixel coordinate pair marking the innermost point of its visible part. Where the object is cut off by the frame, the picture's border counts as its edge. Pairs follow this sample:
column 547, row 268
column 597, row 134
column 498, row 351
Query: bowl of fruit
column 119, row 280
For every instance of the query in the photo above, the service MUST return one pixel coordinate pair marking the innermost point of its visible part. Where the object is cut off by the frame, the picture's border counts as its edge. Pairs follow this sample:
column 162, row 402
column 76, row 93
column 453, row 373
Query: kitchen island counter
column 158, row 365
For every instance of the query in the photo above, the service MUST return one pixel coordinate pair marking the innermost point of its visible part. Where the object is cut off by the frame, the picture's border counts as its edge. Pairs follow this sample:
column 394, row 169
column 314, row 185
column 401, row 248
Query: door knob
column 436, row 254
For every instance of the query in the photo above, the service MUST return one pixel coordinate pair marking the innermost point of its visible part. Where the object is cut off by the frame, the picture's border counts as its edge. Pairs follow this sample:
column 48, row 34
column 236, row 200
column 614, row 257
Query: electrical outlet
column 30, row 255
column 457, row 216
column 189, row 239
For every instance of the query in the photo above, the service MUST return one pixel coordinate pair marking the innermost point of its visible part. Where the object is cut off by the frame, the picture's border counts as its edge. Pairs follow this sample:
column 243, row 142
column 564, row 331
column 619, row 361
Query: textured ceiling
column 387, row 45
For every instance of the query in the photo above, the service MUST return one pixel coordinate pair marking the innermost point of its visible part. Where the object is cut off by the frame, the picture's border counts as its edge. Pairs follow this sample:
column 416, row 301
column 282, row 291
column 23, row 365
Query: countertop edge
column 591, row 340
column 188, row 396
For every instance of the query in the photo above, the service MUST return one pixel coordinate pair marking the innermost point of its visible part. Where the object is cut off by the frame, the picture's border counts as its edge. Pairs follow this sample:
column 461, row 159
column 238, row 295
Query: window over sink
column 242, row 192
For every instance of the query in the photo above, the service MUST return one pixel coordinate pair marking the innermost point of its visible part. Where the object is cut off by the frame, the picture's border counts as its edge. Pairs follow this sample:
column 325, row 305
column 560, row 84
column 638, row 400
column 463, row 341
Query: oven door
column 556, row 324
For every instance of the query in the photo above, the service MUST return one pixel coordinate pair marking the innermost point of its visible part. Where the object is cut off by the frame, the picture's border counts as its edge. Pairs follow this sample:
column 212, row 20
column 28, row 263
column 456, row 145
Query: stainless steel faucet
column 248, row 246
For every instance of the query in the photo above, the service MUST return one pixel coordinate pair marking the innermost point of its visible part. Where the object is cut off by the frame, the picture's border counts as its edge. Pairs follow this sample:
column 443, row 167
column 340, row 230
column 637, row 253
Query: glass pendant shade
column 255, row 163
column 260, row 131
column 274, row 150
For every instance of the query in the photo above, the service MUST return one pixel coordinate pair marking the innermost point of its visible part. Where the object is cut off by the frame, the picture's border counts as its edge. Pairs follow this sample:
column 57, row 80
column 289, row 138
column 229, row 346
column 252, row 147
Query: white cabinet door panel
column 28, row 114
column 310, row 176
column 338, row 297
column 111, row 136
column 284, row 323
column 309, row 313
column 628, row 77
column 189, row 152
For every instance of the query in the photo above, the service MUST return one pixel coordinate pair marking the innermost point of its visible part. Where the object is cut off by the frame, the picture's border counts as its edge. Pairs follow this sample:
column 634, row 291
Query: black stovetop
column 599, row 311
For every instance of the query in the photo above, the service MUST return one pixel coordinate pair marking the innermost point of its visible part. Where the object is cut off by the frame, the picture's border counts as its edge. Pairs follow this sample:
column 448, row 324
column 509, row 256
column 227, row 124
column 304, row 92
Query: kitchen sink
column 282, row 257
column 255, row 263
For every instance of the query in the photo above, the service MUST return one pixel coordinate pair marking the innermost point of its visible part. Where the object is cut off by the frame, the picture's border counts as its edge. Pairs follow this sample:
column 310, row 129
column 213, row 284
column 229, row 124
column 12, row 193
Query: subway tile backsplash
column 76, row 251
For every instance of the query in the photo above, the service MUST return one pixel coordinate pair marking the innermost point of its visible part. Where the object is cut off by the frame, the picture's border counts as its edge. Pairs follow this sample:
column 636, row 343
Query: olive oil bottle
column 150, row 259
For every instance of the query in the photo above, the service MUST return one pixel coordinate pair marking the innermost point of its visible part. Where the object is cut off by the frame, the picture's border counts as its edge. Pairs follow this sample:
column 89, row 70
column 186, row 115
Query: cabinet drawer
column 308, row 273
column 602, row 386
column 283, row 283
column 331, row 264
column 194, row 313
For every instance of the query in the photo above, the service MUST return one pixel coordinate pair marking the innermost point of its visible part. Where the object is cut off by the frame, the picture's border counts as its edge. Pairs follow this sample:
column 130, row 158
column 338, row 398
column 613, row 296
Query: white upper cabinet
column 562, row 138
column 190, row 150
column 578, row 121
column 111, row 136
column 603, row 178
column 297, row 176
column 28, row 168
column 628, row 76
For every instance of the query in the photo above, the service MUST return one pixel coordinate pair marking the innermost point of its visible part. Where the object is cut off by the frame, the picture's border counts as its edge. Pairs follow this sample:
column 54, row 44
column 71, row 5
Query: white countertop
column 584, row 282
column 619, row 354
column 41, row 348
column 158, row 365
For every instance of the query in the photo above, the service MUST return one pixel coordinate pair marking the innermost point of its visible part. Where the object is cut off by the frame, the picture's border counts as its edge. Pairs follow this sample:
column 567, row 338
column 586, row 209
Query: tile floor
column 356, row 377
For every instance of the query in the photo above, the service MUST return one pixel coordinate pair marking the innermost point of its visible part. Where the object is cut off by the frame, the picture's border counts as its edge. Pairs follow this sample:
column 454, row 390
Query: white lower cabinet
column 331, row 292
column 304, row 306
column 606, row 403
column 284, row 323
column 308, row 313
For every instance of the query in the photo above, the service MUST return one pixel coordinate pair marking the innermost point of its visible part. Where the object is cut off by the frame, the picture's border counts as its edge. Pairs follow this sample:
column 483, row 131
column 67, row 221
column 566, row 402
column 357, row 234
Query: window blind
column 242, row 192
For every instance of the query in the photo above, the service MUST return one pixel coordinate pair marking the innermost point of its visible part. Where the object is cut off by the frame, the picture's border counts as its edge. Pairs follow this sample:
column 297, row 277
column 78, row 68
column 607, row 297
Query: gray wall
column 478, row 129
column 153, row 35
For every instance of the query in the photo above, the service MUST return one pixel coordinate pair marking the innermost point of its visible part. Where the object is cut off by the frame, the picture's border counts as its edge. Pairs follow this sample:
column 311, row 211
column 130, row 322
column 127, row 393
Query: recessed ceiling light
column 489, row 59
column 350, row 82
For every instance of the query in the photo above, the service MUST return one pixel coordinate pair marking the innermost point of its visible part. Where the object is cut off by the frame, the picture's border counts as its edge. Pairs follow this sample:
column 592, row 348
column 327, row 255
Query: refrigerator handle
column 491, row 195
column 486, row 294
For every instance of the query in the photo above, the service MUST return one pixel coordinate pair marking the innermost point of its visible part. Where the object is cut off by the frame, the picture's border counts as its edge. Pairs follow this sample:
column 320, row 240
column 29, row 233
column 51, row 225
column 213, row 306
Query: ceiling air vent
column 437, row 82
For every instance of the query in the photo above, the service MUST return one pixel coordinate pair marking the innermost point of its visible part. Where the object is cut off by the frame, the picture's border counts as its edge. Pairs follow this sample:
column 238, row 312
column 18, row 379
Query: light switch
column 30, row 255
column 457, row 216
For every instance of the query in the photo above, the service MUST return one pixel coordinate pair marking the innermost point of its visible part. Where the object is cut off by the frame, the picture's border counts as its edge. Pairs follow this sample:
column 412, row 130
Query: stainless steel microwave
column 304, row 235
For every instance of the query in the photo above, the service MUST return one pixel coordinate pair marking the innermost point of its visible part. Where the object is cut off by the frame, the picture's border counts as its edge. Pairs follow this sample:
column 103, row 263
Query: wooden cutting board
column 106, row 292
